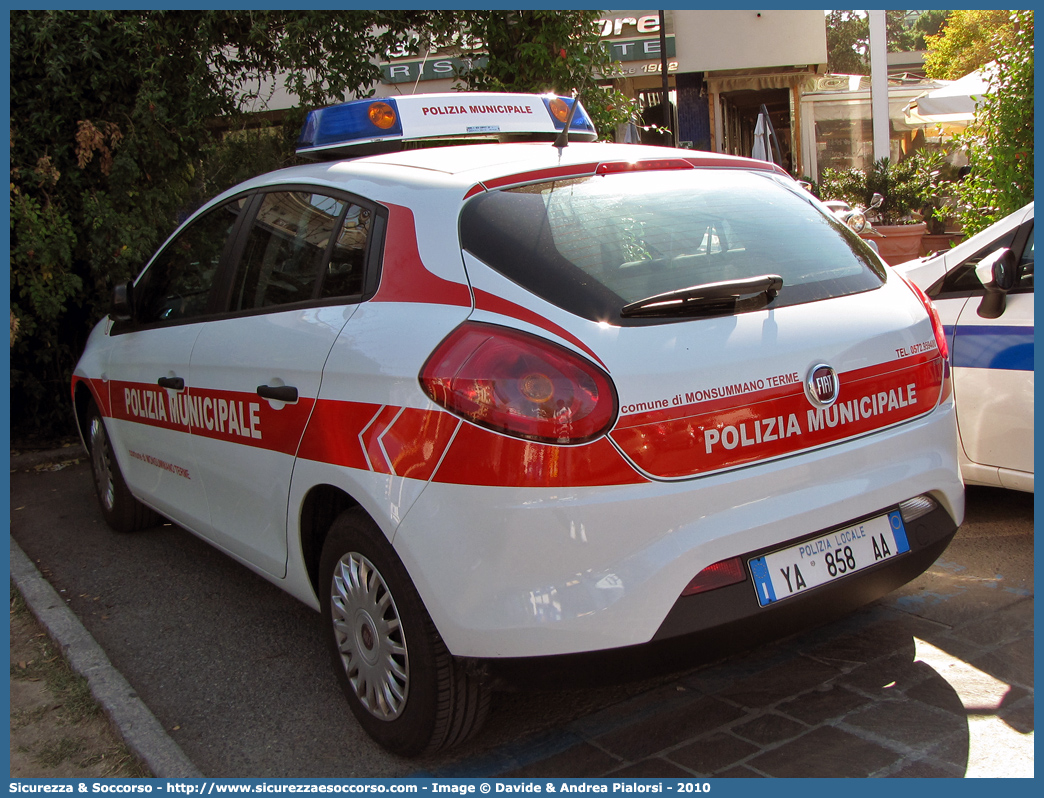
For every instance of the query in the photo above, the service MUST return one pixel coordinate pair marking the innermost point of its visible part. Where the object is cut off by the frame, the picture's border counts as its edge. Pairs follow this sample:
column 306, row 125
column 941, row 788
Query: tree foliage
column 111, row 124
column 1000, row 143
column 967, row 41
column 848, row 37
column 912, row 32
column 113, row 137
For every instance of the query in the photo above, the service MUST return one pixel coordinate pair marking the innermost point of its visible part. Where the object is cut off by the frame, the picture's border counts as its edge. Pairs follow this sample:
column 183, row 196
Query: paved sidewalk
column 876, row 698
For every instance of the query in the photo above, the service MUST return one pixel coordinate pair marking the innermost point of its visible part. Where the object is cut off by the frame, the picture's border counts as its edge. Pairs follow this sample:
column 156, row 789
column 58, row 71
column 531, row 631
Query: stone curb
column 135, row 723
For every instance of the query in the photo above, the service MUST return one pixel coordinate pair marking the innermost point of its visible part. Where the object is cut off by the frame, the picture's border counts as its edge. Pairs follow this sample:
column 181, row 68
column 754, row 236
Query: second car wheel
column 121, row 510
column 404, row 687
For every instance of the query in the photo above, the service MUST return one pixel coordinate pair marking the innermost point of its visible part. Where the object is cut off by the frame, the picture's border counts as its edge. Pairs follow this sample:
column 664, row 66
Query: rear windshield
column 593, row 245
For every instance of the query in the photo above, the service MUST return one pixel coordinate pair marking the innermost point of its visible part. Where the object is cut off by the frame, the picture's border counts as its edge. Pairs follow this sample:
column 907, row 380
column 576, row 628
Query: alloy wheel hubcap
column 100, row 462
column 369, row 636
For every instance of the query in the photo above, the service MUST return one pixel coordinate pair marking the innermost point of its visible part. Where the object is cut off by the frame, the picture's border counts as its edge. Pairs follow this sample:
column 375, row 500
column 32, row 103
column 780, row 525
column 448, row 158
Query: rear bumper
column 530, row 572
column 705, row 627
column 734, row 611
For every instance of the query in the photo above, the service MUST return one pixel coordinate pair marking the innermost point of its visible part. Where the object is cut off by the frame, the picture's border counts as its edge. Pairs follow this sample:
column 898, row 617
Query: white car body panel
column 520, row 548
column 994, row 403
column 155, row 456
column 242, row 468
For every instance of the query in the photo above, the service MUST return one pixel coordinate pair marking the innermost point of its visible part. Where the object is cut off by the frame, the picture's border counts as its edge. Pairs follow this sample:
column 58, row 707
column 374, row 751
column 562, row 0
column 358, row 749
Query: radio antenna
column 562, row 140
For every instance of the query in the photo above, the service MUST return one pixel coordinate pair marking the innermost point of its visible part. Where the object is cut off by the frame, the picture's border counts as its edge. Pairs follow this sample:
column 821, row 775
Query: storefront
column 723, row 67
column 836, row 125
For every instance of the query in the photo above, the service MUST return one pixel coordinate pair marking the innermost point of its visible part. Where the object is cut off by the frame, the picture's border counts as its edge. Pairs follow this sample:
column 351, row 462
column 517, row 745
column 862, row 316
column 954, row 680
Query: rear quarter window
column 592, row 245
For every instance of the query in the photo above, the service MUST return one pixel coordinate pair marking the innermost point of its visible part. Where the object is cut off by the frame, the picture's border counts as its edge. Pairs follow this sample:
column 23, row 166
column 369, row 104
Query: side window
column 178, row 282
column 961, row 280
column 344, row 274
column 285, row 251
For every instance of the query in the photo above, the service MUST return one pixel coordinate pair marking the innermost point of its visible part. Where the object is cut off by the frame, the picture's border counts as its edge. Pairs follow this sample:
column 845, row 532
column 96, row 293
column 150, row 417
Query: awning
column 952, row 105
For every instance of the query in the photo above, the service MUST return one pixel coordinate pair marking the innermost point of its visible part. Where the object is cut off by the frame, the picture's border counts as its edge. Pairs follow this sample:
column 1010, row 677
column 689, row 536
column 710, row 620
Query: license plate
column 797, row 569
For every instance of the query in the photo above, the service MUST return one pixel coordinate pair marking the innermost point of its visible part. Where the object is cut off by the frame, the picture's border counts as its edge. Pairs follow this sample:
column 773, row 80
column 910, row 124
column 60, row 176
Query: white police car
column 490, row 406
column 988, row 319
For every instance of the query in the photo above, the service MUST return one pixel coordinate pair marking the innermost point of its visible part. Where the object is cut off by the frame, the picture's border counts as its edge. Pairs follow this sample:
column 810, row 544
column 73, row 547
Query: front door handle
column 278, row 393
column 177, row 383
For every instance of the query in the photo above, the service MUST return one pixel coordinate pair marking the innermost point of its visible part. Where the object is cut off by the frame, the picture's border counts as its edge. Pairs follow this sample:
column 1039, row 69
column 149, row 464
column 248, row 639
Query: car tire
column 404, row 687
column 121, row 510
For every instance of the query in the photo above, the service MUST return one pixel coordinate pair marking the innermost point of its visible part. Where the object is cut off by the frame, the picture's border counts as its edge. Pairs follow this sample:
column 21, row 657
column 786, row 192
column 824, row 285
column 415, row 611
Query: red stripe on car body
column 404, row 277
column 99, row 391
column 479, row 456
column 540, row 175
column 415, row 442
column 728, row 402
column 504, row 307
column 713, row 436
column 230, row 416
column 431, row 444
column 334, row 433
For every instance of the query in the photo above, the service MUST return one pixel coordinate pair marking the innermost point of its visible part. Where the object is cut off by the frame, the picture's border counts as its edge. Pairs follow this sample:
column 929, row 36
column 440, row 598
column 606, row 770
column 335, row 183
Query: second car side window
column 286, row 249
column 1026, row 266
column 961, row 280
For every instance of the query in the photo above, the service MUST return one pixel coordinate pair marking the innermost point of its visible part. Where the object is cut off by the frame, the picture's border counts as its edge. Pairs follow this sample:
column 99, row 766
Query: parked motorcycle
column 855, row 217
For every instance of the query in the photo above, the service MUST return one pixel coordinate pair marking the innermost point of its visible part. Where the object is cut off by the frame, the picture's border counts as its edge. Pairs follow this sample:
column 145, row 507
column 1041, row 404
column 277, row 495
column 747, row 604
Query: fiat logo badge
column 822, row 385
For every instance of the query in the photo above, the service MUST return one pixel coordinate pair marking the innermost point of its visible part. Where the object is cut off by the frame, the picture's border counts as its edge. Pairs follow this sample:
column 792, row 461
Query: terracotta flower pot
column 939, row 242
column 899, row 243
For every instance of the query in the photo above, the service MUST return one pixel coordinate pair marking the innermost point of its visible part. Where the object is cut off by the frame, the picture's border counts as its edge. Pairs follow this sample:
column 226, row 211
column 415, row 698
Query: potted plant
column 897, row 223
column 937, row 178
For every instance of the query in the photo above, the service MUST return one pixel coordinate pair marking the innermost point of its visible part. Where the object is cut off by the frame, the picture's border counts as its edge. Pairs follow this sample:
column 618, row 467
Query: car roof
column 470, row 164
column 468, row 159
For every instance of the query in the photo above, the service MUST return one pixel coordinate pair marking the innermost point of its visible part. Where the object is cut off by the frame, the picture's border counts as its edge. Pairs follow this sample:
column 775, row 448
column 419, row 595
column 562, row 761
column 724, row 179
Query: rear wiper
column 706, row 299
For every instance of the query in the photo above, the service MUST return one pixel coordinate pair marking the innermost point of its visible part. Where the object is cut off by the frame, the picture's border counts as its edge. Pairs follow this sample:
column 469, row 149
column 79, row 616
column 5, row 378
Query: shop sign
column 428, row 69
column 632, row 69
column 638, row 49
column 622, row 26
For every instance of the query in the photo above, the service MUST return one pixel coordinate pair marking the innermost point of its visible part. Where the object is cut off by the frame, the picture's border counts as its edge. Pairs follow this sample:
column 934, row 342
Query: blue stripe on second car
column 995, row 347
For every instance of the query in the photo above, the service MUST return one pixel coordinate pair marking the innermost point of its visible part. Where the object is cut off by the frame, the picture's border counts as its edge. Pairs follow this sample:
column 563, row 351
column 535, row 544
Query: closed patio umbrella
column 761, row 149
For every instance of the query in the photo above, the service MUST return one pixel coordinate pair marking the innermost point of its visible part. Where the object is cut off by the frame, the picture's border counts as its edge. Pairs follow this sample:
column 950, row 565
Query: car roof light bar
column 362, row 127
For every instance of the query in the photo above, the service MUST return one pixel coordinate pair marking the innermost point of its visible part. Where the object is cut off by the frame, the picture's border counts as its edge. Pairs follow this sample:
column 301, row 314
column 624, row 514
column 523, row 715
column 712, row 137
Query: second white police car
column 983, row 289
column 499, row 405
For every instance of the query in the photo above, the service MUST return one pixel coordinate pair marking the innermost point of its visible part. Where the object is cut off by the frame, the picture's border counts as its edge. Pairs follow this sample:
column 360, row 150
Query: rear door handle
column 177, row 383
column 278, row 393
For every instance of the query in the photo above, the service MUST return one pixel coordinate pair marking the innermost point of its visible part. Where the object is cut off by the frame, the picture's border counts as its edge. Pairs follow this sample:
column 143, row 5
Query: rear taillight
column 933, row 314
column 520, row 384
column 721, row 574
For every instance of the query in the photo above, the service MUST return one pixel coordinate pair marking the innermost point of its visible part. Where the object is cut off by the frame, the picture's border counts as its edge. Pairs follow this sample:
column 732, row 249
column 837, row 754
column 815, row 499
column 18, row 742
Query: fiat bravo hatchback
column 502, row 404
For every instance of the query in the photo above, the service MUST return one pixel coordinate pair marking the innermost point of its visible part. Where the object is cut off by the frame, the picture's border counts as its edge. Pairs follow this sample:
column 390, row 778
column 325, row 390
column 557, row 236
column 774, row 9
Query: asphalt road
column 235, row 671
